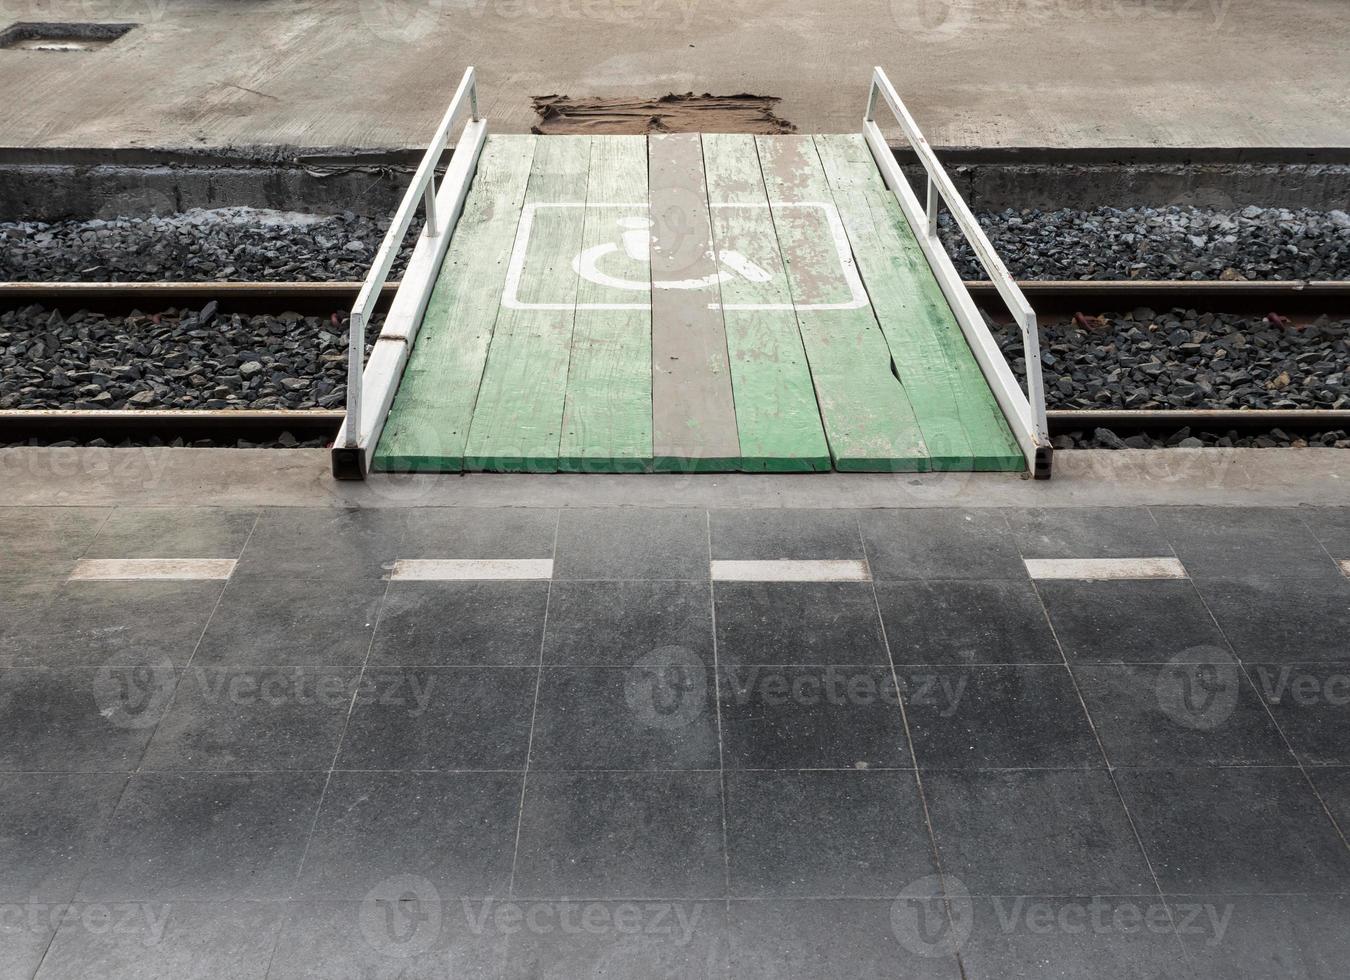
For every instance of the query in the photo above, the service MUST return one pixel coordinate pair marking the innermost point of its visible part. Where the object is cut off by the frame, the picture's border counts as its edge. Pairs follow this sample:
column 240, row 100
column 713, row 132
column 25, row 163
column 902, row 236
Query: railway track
column 1048, row 297
column 1295, row 301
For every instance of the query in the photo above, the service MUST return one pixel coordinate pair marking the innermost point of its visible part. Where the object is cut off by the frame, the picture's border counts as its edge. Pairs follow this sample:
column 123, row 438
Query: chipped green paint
column 776, row 414
column 962, row 425
column 607, row 414
column 868, row 419
column 517, row 424
column 429, row 421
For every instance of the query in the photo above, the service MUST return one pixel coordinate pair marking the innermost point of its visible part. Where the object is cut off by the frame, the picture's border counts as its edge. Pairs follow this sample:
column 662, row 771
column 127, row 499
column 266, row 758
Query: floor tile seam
column 102, row 526
column 1299, row 764
column 66, row 772
column 1106, row 760
column 342, row 734
column 890, row 896
column 1341, row 832
column 876, row 665
column 534, row 710
column 934, row 851
column 1298, row 510
column 535, row 769
column 179, row 676
column 88, row 869
column 717, row 718
column 276, row 941
column 1302, row 519
column 744, row 665
column 932, row 768
column 1291, row 765
column 303, row 900
column 46, row 951
column 563, row 665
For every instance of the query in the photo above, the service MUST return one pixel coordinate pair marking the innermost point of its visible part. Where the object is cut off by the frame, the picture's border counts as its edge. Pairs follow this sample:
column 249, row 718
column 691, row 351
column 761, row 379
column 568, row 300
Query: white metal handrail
column 423, row 187
column 1025, row 410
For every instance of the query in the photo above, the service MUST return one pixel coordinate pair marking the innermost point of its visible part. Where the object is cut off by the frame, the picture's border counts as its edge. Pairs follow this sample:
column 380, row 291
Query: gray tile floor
column 631, row 770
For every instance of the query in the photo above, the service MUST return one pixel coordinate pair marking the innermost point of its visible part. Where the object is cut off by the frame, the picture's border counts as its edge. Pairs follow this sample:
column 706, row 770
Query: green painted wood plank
column 607, row 413
column 429, row 420
column 961, row 422
column 777, row 418
column 693, row 411
column 869, row 422
column 517, row 421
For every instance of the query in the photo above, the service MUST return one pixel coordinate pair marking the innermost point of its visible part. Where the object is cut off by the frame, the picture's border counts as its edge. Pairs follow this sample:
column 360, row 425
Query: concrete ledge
column 52, row 185
column 299, row 477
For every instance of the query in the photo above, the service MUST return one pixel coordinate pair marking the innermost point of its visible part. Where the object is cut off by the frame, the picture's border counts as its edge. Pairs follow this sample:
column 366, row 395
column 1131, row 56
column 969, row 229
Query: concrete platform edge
column 300, row 477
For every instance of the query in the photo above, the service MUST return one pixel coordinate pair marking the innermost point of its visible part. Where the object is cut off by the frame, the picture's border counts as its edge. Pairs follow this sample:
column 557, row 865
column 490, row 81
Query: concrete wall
column 53, row 190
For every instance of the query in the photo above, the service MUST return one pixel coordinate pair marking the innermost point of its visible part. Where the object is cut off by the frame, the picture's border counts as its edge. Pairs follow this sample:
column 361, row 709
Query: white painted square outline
column 516, row 267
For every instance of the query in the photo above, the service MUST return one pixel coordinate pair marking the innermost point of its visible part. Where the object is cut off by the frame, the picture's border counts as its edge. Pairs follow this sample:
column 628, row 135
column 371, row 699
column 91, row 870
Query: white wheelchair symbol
column 637, row 242
column 602, row 264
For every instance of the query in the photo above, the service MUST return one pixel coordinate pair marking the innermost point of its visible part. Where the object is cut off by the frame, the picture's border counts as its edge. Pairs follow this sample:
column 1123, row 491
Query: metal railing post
column 1024, row 408
column 429, row 200
column 424, row 186
column 1031, row 349
column 356, row 365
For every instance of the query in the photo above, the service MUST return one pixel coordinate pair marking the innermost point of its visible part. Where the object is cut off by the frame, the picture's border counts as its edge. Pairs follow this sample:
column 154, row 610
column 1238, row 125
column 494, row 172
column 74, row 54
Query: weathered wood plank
column 777, row 418
column 429, row 421
column 517, row 422
column 693, row 413
column 960, row 420
column 869, row 422
column 607, row 414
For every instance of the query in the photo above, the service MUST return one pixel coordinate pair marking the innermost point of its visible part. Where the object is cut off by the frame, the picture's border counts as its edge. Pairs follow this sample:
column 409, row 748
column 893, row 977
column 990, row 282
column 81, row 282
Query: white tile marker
column 161, row 569
column 820, row 570
column 471, row 569
column 1104, row 569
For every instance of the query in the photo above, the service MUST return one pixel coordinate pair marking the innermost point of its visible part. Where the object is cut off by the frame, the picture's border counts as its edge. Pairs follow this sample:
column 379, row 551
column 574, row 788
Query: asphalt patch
column 672, row 113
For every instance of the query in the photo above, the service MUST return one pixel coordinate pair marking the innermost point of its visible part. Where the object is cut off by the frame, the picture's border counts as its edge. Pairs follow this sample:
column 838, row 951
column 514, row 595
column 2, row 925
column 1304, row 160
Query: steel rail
column 1052, row 296
column 218, row 425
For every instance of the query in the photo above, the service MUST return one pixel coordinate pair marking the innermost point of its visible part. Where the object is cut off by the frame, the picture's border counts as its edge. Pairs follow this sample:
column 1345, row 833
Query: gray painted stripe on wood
column 693, row 413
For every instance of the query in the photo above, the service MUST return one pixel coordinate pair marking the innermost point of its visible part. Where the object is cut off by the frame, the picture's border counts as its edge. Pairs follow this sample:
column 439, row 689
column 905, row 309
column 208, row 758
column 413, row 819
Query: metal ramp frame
column 372, row 385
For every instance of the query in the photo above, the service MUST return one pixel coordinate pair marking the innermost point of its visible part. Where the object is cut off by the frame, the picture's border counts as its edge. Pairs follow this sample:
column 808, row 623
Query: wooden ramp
column 710, row 303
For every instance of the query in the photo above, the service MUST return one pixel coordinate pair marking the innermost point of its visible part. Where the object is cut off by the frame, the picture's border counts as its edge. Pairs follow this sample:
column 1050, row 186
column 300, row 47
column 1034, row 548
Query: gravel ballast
column 1180, row 359
column 1143, row 359
column 174, row 359
column 241, row 244
column 1188, row 438
column 1106, row 243
column 1183, row 359
column 1161, row 243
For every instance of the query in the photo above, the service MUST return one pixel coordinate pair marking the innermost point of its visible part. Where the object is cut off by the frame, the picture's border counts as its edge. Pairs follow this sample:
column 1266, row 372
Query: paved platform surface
column 686, row 303
column 376, row 74
column 301, row 477
column 507, row 742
